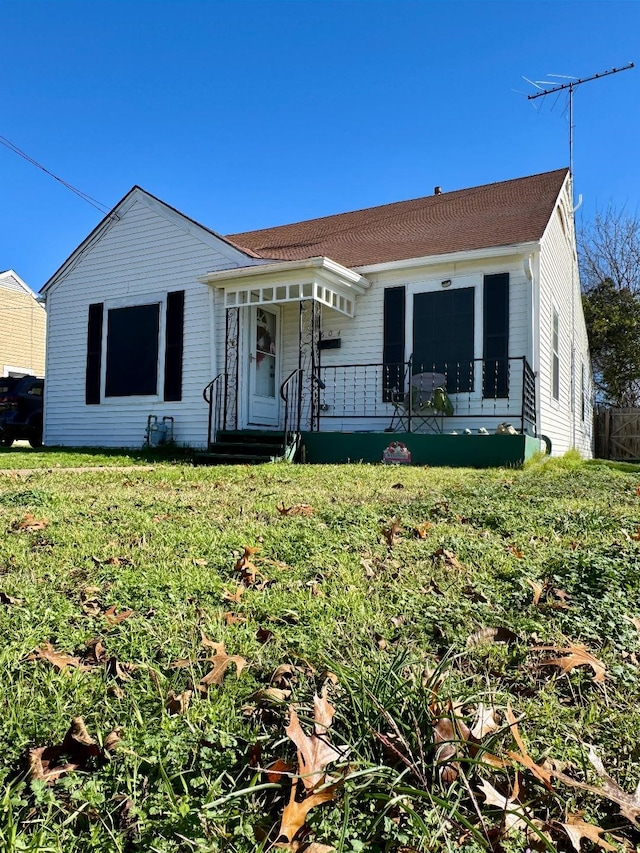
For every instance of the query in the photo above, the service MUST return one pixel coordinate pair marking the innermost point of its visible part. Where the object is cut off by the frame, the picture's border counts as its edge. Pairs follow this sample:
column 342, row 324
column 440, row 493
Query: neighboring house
column 23, row 323
column 318, row 327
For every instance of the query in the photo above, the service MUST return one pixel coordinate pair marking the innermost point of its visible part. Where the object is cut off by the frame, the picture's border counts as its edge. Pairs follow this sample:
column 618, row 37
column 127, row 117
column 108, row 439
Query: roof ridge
column 446, row 194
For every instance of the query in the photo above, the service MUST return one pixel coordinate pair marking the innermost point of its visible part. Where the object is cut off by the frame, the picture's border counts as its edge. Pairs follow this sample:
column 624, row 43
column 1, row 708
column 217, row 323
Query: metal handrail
column 291, row 393
column 215, row 394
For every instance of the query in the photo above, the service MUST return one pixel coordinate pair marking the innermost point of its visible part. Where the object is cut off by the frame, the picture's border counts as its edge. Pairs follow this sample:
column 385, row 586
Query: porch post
column 310, row 320
column 231, row 350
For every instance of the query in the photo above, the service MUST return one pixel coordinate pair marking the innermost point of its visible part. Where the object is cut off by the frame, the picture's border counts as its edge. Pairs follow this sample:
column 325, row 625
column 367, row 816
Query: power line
column 92, row 201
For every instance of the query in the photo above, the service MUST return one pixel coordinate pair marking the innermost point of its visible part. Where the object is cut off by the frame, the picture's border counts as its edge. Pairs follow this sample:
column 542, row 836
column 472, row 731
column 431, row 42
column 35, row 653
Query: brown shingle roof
column 499, row 214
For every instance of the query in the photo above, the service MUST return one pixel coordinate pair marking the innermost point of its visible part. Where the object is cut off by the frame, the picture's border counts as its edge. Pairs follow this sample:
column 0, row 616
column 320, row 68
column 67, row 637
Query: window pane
column 132, row 351
column 443, row 336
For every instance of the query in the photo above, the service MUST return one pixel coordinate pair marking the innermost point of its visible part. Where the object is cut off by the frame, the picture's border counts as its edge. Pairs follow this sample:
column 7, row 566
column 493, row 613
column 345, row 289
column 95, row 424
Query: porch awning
column 321, row 279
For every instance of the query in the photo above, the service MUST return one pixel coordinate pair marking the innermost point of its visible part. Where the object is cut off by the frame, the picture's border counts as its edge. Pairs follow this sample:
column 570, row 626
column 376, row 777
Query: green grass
column 392, row 624
column 20, row 456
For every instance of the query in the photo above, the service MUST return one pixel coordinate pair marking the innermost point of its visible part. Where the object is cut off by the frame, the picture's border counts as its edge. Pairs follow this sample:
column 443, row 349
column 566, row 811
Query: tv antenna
column 571, row 85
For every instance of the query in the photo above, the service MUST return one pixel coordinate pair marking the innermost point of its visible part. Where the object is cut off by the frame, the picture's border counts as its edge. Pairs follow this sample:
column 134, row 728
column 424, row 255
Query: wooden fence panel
column 617, row 434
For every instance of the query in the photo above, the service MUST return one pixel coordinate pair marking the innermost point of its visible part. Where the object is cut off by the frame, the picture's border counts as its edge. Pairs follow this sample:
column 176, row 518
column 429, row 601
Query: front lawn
column 165, row 631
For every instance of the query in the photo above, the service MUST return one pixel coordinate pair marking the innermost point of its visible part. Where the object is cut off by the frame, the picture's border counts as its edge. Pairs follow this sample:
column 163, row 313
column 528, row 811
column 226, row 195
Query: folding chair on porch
column 424, row 406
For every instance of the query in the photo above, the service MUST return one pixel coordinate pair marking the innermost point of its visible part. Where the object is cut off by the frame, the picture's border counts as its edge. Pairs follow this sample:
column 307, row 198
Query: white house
column 316, row 331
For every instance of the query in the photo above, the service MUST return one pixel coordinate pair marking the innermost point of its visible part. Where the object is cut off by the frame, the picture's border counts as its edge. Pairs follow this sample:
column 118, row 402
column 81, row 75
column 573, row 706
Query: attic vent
column 437, row 190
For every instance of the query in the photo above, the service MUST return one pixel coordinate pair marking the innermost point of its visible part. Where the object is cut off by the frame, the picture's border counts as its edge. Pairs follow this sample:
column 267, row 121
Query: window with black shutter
column 393, row 355
column 496, row 336
column 94, row 354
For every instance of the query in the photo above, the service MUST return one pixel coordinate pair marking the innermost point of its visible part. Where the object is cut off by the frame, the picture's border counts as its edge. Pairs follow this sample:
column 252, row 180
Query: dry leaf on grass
column 315, row 752
column 78, row 747
column 8, row 599
column 541, row 772
column 296, row 509
column 485, row 722
column 250, row 575
column 449, row 558
column 575, row 655
column 178, row 703
column 277, row 769
column 295, row 814
column 537, row 591
column 421, row 530
column 60, row 660
column 392, row 533
column 29, row 524
column 635, row 621
column 221, row 662
column 114, row 618
column 230, row 618
column 449, row 734
column 629, row 804
column 491, row 635
column 234, row 596
column 577, row 829
column 515, row 815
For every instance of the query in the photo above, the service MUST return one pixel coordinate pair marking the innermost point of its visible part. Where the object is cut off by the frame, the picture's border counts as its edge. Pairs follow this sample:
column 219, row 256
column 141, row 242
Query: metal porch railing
column 481, row 390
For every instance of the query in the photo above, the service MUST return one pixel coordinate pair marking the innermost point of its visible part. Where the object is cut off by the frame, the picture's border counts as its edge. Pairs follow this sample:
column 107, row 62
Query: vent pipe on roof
column 437, row 190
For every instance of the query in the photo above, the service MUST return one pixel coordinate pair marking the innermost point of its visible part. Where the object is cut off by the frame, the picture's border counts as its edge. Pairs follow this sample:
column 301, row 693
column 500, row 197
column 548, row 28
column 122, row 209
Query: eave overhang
column 453, row 257
column 321, row 279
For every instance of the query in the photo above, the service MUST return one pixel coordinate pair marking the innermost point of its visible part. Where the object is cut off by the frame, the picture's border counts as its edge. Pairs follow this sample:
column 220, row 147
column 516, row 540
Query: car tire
column 35, row 442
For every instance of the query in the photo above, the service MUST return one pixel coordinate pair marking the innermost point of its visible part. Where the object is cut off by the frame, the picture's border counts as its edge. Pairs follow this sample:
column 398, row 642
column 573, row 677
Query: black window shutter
column 393, row 353
column 174, row 338
column 94, row 353
column 496, row 335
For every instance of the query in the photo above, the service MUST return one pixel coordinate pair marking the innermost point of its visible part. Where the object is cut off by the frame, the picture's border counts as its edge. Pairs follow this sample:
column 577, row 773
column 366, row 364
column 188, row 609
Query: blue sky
column 250, row 114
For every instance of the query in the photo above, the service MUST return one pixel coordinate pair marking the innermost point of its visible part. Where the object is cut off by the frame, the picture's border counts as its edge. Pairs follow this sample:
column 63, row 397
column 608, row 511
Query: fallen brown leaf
column 449, row 734
column 392, row 533
column 491, row 635
column 8, row 599
column 537, row 591
column 221, row 662
column 295, row 814
column 60, row 660
column 541, row 772
column 178, row 703
column 485, row 722
column 233, row 618
column 296, row 509
column 234, row 596
column 114, row 618
column 78, row 747
column 314, row 751
column 29, row 524
column 421, row 530
column 577, row 829
column 449, row 558
column 575, row 655
column 515, row 815
column 629, row 804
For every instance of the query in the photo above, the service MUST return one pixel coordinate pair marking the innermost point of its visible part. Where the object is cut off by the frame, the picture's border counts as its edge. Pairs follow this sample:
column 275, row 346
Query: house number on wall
column 330, row 333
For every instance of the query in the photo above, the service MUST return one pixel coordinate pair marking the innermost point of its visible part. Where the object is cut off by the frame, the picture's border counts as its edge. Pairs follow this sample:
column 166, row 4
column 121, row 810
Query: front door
column 264, row 367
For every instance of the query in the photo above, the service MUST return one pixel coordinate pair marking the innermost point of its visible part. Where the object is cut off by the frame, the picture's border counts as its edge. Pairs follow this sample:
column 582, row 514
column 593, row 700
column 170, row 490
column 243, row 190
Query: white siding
column 139, row 259
column 559, row 288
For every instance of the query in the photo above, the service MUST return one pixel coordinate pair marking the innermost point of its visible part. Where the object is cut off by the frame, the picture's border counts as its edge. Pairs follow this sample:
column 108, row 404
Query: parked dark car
column 21, row 402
